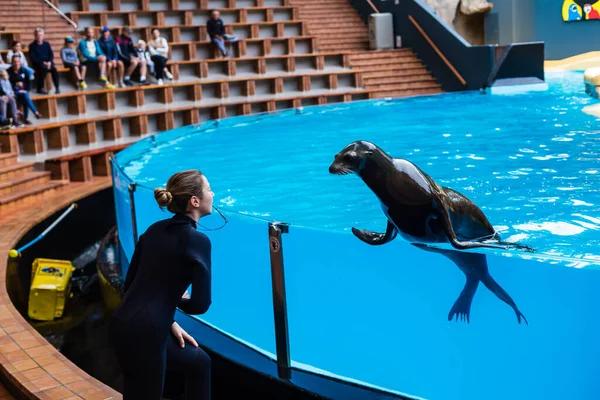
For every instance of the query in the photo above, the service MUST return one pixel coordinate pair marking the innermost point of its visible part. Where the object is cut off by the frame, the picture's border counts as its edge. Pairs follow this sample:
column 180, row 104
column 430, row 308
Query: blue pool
column 378, row 314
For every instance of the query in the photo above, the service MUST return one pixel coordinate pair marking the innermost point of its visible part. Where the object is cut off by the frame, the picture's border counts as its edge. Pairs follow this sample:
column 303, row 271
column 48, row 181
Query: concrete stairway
column 21, row 184
column 394, row 73
column 335, row 23
column 26, row 15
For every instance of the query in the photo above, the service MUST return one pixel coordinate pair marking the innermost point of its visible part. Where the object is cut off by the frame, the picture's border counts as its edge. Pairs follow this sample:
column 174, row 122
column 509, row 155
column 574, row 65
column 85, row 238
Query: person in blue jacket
column 169, row 256
column 91, row 53
column 109, row 48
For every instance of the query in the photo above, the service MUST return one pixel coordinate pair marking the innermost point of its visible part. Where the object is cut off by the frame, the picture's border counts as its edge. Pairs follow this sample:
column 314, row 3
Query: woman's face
column 156, row 34
column 206, row 202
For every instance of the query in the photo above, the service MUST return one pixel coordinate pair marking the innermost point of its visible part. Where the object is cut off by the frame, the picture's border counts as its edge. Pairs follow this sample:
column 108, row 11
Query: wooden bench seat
column 147, row 5
column 128, row 125
column 228, row 68
column 245, row 30
column 83, row 166
column 183, row 17
column 79, row 103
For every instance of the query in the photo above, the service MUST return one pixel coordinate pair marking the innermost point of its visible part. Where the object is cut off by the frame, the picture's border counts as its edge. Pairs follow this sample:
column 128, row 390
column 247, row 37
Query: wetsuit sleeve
column 133, row 265
column 199, row 257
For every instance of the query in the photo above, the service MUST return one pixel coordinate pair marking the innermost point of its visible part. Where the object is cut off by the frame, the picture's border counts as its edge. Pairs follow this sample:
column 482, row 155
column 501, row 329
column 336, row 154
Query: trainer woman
column 168, row 257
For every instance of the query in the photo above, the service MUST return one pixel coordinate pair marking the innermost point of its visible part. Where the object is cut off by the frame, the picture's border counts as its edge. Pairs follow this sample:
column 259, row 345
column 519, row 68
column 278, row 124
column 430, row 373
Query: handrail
column 373, row 6
column 437, row 50
column 15, row 253
column 62, row 14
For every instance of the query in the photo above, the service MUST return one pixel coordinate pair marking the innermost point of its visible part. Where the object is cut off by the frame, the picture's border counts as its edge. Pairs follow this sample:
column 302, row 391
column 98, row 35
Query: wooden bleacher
column 278, row 63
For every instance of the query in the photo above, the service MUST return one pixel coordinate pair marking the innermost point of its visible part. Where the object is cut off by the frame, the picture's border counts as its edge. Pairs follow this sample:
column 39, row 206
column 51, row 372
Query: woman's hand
column 182, row 335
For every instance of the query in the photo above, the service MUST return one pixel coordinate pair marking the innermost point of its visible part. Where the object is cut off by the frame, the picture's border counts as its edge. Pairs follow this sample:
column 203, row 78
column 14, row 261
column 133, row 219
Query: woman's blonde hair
column 3, row 74
column 180, row 188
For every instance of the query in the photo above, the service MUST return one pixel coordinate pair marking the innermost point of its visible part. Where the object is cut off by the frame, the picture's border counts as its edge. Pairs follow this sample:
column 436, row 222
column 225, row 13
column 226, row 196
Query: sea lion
column 423, row 212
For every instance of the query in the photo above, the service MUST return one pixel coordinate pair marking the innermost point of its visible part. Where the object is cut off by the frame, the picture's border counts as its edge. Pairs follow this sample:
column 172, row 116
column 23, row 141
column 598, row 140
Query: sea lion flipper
column 462, row 305
column 374, row 238
column 444, row 217
column 495, row 288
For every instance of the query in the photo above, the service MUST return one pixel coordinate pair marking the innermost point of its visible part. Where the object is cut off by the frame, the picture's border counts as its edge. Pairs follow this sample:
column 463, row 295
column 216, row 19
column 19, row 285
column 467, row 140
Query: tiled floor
column 26, row 359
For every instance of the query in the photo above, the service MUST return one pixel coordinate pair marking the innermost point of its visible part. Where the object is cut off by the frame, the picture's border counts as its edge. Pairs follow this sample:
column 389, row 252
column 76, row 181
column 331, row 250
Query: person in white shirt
column 159, row 52
column 17, row 48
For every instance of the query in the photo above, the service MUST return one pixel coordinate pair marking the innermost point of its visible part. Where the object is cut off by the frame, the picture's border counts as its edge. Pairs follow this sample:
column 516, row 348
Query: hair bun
column 163, row 197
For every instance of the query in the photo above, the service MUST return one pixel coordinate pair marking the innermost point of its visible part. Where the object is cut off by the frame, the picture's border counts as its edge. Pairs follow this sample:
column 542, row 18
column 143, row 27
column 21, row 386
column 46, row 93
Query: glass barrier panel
column 123, row 211
column 242, row 302
column 379, row 315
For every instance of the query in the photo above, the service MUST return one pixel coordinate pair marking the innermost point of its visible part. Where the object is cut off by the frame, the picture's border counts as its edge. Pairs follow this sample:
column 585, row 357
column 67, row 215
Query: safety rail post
column 282, row 344
column 131, row 188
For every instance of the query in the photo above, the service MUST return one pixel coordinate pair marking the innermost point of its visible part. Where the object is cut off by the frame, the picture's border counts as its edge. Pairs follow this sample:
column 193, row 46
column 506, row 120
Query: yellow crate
column 50, row 287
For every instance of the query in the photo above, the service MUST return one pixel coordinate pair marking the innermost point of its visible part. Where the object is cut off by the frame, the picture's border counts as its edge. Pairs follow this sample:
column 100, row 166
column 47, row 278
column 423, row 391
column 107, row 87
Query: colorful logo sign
column 577, row 10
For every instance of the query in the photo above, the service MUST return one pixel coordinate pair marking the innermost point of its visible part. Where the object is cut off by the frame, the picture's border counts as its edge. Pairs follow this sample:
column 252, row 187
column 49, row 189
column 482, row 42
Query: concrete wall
column 531, row 20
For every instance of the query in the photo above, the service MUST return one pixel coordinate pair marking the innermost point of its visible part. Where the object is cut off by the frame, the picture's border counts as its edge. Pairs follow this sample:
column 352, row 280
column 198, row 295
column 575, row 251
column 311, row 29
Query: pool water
column 530, row 161
column 379, row 314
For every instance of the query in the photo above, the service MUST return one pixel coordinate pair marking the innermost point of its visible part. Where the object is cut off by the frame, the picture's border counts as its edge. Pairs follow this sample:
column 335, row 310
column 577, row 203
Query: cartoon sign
column 580, row 10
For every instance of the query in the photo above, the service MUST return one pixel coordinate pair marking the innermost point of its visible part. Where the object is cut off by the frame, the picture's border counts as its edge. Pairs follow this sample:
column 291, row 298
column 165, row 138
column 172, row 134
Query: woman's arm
column 133, row 265
column 199, row 256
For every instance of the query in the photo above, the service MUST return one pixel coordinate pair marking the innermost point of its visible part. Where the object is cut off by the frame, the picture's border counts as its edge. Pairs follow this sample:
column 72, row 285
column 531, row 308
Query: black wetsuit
column 168, row 257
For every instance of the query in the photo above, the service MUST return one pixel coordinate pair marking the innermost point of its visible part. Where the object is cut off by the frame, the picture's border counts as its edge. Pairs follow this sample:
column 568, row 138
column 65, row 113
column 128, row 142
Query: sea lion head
column 352, row 158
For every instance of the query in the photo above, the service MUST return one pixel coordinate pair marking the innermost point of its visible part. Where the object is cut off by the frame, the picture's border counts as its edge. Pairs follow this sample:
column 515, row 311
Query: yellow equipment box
column 50, row 287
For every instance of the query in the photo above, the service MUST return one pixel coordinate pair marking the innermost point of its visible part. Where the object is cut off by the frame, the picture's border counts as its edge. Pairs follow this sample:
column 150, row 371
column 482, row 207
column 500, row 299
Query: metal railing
column 62, row 14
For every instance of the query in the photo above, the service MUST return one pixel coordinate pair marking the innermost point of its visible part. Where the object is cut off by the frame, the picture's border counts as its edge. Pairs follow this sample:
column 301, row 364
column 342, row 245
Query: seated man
column 42, row 60
column 216, row 31
column 109, row 48
column 90, row 52
column 129, row 55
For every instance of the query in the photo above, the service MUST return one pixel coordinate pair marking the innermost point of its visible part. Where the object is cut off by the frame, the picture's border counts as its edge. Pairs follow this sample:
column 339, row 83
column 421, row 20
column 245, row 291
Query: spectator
column 216, row 31
column 17, row 49
column 128, row 54
column 3, row 66
column 159, row 52
column 109, row 48
column 8, row 102
column 90, row 52
column 21, row 85
column 42, row 58
column 71, row 61
column 144, row 55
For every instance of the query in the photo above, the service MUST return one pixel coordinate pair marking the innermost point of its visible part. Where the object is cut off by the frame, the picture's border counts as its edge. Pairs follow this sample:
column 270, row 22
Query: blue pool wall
column 378, row 314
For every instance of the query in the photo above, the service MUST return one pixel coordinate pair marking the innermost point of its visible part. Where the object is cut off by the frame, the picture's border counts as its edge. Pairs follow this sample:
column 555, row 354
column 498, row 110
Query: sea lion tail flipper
column 495, row 288
column 462, row 305
column 374, row 238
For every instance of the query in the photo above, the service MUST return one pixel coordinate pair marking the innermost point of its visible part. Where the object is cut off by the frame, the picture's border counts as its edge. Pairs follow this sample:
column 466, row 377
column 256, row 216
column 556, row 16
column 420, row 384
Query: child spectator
column 68, row 54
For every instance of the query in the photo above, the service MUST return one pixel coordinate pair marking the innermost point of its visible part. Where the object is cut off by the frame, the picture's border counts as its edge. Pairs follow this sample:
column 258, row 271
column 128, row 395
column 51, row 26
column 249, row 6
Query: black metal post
column 132, row 187
column 282, row 344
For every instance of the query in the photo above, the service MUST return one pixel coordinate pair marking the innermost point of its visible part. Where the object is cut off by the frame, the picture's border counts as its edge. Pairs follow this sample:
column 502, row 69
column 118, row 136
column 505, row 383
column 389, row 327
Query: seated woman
column 8, row 101
column 168, row 257
column 159, row 52
column 21, row 84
